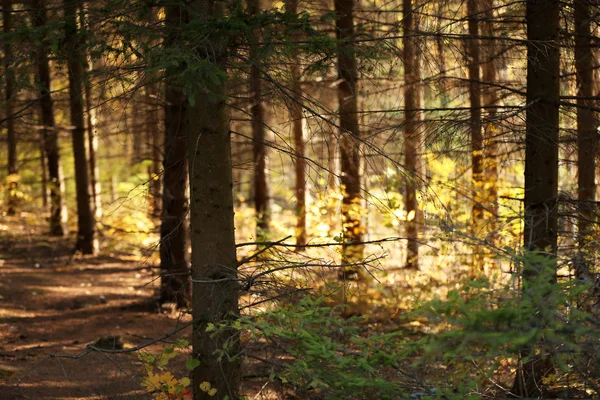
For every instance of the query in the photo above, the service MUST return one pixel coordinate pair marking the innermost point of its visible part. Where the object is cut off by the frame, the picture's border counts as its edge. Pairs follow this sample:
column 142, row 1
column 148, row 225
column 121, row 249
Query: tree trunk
column 13, row 180
column 92, row 145
column 257, row 111
column 214, row 264
column 44, row 167
column 174, row 241
column 298, row 133
column 154, row 139
column 474, row 61
column 587, row 126
column 541, row 173
column 352, row 229
column 490, row 100
column 412, row 137
column 86, row 241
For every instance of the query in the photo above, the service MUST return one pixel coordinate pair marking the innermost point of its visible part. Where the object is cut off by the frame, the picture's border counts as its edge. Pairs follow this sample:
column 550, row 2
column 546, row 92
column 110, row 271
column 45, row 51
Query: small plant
column 162, row 384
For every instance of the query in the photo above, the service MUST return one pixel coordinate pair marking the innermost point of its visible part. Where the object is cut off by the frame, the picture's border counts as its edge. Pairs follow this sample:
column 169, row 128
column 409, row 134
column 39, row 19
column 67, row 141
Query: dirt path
column 52, row 303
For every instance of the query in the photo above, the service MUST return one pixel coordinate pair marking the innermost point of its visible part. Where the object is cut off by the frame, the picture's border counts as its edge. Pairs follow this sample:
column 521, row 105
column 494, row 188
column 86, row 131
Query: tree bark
column 298, row 133
column 174, row 240
column 92, row 144
column 474, row 61
column 86, row 240
column 214, row 263
column 587, row 125
column 352, row 229
column 58, row 212
column 412, row 136
column 259, row 147
column 9, row 91
column 541, row 173
column 490, row 100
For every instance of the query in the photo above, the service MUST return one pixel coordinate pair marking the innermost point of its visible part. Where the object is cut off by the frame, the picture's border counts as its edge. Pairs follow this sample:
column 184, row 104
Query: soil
column 54, row 303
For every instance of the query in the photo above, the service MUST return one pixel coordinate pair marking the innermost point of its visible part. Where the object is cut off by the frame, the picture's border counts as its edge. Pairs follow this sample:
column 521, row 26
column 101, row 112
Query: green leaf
column 192, row 364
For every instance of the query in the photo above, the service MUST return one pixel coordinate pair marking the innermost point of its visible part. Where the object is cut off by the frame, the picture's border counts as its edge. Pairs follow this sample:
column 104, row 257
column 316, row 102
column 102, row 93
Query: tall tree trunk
column 352, row 229
column 587, row 126
column 92, row 144
column 214, row 264
column 412, row 137
column 154, row 137
column 474, row 61
column 476, row 134
column 155, row 153
column 297, row 120
column 9, row 91
column 541, row 174
column 86, row 224
column 257, row 111
column 490, row 101
column 58, row 213
column 174, row 240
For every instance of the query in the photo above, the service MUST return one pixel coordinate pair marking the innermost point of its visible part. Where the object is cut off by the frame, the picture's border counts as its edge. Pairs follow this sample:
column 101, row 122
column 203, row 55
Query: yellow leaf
column 212, row 392
column 184, row 381
column 205, row 386
column 411, row 215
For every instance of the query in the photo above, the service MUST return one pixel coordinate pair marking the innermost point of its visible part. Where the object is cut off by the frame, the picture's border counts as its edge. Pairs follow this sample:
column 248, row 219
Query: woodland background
column 359, row 199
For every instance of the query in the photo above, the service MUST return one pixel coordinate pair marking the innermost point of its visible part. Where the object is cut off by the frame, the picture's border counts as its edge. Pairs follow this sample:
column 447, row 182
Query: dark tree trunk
column 412, row 137
column 174, row 241
column 587, row 126
column 297, row 119
column 541, row 173
column 86, row 240
column 257, row 111
column 9, row 91
column 214, row 263
column 352, row 229
column 58, row 215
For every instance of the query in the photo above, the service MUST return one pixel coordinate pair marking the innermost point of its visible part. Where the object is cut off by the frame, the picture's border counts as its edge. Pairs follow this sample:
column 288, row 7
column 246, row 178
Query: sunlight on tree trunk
column 86, row 229
column 259, row 146
column 412, row 136
column 9, row 95
column 541, row 175
column 92, row 142
column 298, row 133
column 214, row 263
column 490, row 147
column 587, row 125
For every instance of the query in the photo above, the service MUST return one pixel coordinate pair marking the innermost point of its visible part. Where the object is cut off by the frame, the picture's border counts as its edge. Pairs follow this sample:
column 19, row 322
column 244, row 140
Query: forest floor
column 55, row 303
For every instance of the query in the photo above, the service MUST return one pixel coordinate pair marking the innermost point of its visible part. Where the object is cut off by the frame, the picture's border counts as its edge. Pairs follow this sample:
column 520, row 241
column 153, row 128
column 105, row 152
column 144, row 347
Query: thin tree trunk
column 174, row 240
column 297, row 120
column 86, row 241
column 476, row 134
column 352, row 229
column 9, row 90
column 154, row 137
column 490, row 100
column 587, row 126
column 214, row 263
column 92, row 145
column 412, row 137
column 541, row 175
column 257, row 110
column 44, row 167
